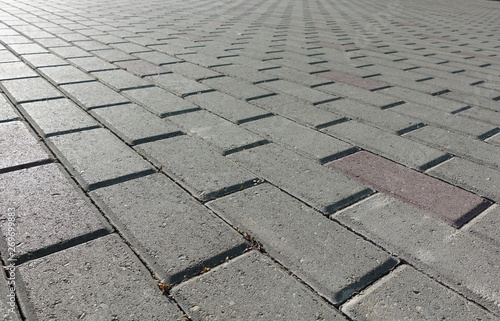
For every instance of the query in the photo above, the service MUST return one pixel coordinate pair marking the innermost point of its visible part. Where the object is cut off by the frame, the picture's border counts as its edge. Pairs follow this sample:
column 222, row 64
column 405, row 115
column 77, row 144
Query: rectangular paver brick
column 237, row 88
column 378, row 99
column 63, row 75
column 19, row 147
column 441, row 200
column 141, row 68
column 224, row 105
column 181, row 236
column 86, row 279
column 260, row 212
column 301, row 139
column 16, row 70
column 352, row 80
column 457, row 144
column 201, row 170
column 30, row 89
column 56, row 202
column 97, row 158
column 396, row 148
column 6, row 110
column 57, row 116
column 305, row 93
column 298, row 110
column 487, row 225
column 93, row 94
column 134, row 124
column 159, row 101
column 409, row 293
column 310, row 182
column 240, row 288
column 44, row 60
column 458, row 259
column 221, row 134
column 178, row 84
column 121, row 79
column 471, row 176
column 91, row 64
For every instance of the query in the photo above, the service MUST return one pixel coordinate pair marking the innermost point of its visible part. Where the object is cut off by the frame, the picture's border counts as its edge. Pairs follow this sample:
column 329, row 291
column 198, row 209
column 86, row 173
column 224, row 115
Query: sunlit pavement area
column 250, row 160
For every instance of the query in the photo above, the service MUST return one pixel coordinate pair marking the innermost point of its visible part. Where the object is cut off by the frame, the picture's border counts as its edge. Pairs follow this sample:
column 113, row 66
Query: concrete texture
column 263, row 292
column 160, row 110
column 260, row 212
column 441, row 200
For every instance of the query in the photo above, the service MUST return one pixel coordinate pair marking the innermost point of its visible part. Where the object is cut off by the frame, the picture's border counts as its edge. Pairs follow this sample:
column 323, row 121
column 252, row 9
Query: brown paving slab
column 352, row 80
column 442, row 200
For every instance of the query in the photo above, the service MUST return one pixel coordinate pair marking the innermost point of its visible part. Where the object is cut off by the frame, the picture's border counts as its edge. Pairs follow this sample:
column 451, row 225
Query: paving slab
column 29, row 89
column 457, row 144
column 7, row 112
column 458, row 259
column 480, row 179
column 260, row 212
column 16, row 70
column 202, row 171
column 367, row 84
column 181, row 237
column 396, row 148
column 252, row 286
column 93, row 95
column 62, row 75
column 121, row 79
column 141, row 68
column 84, row 281
column 291, row 89
column 97, row 158
column 19, row 147
column 226, row 106
column 299, row 110
column 237, row 88
column 54, row 201
column 134, row 124
column 57, row 116
column 219, row 133
column 159, row 101
column 43, row 60
column 486, row 225
column 178, row 84
column 409, row 293
column 441, row 200
column 91, row 64
column 310, row 182
column 301, row 139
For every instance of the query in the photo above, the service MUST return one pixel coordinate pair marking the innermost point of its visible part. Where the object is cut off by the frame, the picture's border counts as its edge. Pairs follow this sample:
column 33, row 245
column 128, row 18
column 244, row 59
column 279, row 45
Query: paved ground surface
column 271, row 160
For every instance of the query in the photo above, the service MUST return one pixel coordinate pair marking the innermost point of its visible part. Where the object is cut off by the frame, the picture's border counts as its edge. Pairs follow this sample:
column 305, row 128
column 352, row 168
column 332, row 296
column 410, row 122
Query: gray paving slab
column 157, row 58
column 192, row 71
column 62, row 75
column 29, row 89
column 409, row 293
column 57, row 116
column 159, row 101
column 84, row 282
column 252, row 286
column 178, row 84
column 291, row 89
column 385, row 119
column 93, row 94
column 91, row 64
column 221, row 134
column 70, row 52
column 310, row 182
column 245, row 73
column 299, row 110
column 134, row 124
column 97, row 158
column 202, row 171
column 44, row 60
column 120, row 79
column 259, row 211
column 226, row 106
column 141, row 67
column 111, row 55
column 486, row 225
column 16, row 70
column 462, row 261
column 7, row 56
column 7, row 112
column 460, row 145
column 55, row 201
column 19, row 147
column 237, row 88
column 446, row 120
column 181, row 236
column 27, row 48
column 396, row 148
column 301, row 139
